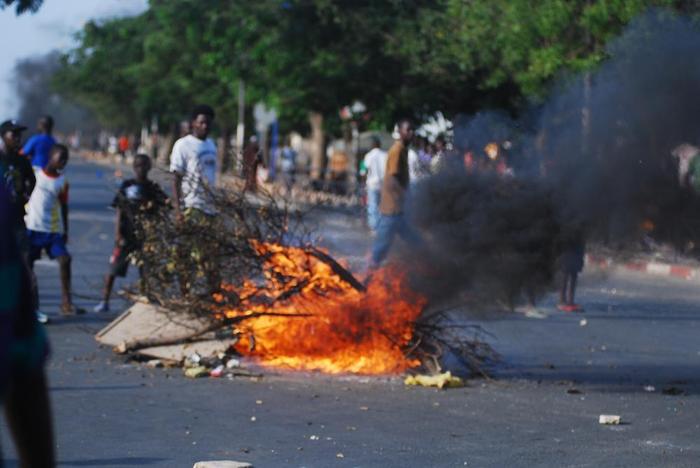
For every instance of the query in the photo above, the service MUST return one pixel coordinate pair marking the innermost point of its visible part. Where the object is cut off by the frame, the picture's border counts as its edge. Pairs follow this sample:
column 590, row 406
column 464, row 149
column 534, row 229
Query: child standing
column 47, row 221
column 137, row 197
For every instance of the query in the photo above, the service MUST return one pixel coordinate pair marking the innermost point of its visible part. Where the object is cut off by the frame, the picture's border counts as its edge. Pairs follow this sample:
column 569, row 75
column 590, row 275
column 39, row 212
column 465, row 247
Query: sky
column 52, row 27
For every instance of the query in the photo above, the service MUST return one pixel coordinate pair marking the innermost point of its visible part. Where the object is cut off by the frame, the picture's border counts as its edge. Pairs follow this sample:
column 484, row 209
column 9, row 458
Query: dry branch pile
column 255, row 259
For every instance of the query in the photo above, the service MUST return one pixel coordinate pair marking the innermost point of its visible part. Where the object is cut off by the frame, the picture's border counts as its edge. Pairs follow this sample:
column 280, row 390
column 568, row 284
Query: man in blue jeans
column 392, row 221
column 375, row 162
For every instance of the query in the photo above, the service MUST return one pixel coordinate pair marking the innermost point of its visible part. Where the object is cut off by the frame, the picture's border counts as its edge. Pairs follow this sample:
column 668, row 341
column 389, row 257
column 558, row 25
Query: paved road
column 556, row 378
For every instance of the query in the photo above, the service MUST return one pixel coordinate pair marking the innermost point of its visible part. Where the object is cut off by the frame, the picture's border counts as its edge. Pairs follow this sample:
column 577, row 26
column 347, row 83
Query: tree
column 308, row 58
column 102, row 73
column 506, row 53
column 22, row 6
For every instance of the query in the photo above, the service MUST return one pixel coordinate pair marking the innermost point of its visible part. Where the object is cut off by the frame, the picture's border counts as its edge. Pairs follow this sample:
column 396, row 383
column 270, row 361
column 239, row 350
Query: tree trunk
column 317, row 151
column 223, row 152
column 165, row 147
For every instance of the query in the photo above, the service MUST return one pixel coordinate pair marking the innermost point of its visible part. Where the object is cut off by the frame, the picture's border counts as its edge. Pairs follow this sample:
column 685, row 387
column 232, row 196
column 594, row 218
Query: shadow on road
column 128, row 461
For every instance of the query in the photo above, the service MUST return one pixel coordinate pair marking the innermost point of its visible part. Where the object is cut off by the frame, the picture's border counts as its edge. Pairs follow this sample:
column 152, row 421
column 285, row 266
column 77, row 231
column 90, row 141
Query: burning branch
column 252, row 271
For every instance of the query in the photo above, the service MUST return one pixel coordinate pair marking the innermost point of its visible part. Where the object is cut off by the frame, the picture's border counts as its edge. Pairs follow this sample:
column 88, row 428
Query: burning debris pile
column 252, row 274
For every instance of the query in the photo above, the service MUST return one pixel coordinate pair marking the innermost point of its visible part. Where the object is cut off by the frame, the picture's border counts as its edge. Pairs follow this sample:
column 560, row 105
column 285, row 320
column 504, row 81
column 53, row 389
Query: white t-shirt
column 375, row 162
column 44, row 206
column 195, row 159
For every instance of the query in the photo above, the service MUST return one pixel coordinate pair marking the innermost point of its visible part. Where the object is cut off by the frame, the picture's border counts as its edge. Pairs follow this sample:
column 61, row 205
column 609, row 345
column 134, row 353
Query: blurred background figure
column 688, row 165
column 38, row 146
column 288, row 164
column 375, row 164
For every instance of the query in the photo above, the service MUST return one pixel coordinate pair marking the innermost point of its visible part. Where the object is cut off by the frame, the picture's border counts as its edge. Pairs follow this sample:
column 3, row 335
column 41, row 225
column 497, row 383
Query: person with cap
column 19, row 179
column 18, row 175
column 38, row 146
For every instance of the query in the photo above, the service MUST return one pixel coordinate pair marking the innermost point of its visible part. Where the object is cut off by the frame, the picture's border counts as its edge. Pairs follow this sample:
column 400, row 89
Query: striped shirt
column 44, row 207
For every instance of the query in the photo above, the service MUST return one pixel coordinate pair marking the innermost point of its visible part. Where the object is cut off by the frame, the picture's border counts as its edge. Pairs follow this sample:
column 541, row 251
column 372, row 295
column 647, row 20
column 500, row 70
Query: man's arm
column 178, row 168
column 28, row 149
column 29, row 179
column 177, row 194
column 63, row 200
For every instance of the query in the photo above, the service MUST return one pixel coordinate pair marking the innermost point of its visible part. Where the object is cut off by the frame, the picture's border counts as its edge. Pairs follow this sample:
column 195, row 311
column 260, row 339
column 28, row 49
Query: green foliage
column 399, row 57
column 103, row 73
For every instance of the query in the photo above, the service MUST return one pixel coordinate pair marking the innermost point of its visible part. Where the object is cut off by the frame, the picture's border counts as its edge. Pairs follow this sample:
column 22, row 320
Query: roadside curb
column 654, row 268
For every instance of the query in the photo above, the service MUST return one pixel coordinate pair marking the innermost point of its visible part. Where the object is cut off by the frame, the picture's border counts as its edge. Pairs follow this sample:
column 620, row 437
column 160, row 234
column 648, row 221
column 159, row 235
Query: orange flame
column 325, row 324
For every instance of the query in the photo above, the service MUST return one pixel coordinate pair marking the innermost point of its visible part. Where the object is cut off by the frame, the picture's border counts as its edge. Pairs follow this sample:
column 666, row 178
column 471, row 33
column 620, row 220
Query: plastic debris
column 233, row 363
column 222, row 464
column 649, row 388
column 217, row 371
column 196, row 372
column 609, row 419
column 193, row 359
column 444, row 380
column 583, row 322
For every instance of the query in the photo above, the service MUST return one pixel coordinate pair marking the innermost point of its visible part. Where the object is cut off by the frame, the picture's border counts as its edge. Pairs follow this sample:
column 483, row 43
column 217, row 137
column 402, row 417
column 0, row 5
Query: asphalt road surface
column 637, row 356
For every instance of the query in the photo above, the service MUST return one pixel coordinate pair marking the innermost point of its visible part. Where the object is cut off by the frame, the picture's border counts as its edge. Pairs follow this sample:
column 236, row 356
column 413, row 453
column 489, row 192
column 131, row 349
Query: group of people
column 34, row 219
column 193, row 163
column 35, row 173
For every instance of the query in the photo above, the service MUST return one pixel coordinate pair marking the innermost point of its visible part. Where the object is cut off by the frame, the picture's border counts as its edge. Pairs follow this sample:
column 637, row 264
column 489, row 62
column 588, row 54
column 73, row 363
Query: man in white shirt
column 375, row 163
column 193, row 161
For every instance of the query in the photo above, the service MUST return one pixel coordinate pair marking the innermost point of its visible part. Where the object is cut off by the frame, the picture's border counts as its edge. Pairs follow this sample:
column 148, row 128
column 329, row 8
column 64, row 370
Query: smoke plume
column 596, row 163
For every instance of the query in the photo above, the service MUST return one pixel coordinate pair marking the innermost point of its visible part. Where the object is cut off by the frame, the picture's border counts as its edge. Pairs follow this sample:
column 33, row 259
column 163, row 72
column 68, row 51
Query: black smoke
column 32, row 83
column 595, row 163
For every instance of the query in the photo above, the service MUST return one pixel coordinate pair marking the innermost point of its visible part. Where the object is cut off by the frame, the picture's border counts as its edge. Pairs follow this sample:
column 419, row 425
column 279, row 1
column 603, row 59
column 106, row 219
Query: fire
column 323, row 323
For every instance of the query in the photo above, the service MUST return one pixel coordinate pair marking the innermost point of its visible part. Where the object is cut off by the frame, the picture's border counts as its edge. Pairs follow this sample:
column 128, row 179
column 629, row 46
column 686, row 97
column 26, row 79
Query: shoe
column 531, row 312
column 570, row 308
column 42, row 318
column 101, row 307
column 71, row 309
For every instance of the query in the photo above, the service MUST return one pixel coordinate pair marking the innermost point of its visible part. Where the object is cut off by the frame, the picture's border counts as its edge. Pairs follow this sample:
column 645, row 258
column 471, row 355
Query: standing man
column 18, row 175
column 19, row 179
column 375, row 162
column 39, row 145
column 394, row 188
column 193, row 162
